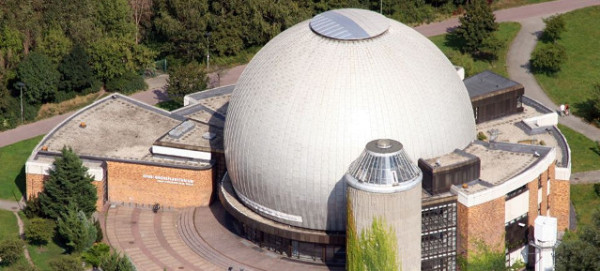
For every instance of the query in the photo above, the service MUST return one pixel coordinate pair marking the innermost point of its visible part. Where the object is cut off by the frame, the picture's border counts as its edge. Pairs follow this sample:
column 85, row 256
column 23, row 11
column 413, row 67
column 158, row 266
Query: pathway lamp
column 21, row 85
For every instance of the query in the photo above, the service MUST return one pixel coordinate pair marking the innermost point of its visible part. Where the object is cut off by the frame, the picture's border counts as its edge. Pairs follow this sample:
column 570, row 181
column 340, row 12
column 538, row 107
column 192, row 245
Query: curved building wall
column 401, row 211
column 306, row 105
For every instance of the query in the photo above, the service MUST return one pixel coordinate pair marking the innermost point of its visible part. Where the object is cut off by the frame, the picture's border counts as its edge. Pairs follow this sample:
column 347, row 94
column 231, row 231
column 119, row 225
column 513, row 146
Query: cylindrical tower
column 384, row 198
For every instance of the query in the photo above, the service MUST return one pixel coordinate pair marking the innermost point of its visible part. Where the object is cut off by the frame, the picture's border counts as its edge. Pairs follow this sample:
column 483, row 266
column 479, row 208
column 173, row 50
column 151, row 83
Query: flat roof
column 117, row 128
column 487, row 82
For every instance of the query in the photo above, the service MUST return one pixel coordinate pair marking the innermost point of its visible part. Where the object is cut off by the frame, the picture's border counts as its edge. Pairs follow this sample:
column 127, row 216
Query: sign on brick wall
column 169, row 180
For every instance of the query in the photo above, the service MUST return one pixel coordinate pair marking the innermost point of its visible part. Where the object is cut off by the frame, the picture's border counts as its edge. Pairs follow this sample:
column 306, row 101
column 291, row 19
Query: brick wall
column 559, row 202
column 35, row 184
column 483, row 222
column 144, row 184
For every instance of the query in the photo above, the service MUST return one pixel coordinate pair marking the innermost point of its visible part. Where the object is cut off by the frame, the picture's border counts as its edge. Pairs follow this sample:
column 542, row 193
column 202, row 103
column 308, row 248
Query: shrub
column 96, row 253
column 99, row 235
column 597, row 189
column 39, row 231
column 555, row 25
column 481, row 136
column 66, row 262
column 126, row 84
column 11, row 251
column 32, row 208
column 116, row 262
column 548, row 58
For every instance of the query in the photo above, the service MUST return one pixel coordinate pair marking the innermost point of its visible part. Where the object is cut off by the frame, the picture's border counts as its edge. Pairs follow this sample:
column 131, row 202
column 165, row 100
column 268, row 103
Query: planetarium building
column 341, row 120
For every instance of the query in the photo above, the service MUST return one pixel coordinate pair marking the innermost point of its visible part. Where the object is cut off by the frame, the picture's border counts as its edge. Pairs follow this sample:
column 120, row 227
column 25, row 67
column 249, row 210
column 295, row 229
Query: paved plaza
column 189, row 239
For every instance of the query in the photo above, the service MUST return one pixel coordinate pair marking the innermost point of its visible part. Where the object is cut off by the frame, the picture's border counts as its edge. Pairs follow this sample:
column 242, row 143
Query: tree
column 476, row 26
column 77, row 230
column 142, row 11
column 39, row 231
column 76, row 73
column 55, row 44
column 66, row 262
column 548, row 58
column 11, row 250
column 116, row 262
column 581, row 250
column 68, row 184
column 184, row 80
column 555, row 25
column 40, row 76
column 114, row 17
column 113, row 57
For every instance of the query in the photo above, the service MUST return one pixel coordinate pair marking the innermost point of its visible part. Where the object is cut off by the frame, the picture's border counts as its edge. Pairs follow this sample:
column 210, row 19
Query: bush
column 481, row 136
column 99, row 235
column 11, row 251
column 597, row 189
column 116, row 262
column 548, row 58
column 96, row 253
column 66, row 262
column 39, row 231
column 555, row 25
column 126, row 84
column 32, row 208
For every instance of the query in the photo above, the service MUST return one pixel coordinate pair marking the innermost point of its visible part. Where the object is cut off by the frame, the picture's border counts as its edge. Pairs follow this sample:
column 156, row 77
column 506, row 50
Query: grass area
column 12, row 175
column 53, row 109
column 585, row 201
column 506, row 33
column 573, row 84
column 8, row 225
column 584, row 153
column 42, row 255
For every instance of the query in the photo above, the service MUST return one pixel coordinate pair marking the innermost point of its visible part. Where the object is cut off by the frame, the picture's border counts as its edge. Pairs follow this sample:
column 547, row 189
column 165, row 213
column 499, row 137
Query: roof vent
column 209, row 136
column 181, row 129
column 349, row 24
column 82, row 124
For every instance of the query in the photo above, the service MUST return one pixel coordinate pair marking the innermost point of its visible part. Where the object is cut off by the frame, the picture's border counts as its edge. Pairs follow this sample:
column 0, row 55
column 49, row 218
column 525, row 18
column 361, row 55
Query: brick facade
column 35, row 184
column 560, row 202
column 146, row 185
column 483, row 222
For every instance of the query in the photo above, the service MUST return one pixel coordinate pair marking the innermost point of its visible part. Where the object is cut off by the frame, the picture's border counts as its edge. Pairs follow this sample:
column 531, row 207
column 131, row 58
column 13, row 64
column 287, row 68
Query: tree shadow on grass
column 587, row 111
column 20, row 183
column 454, row 41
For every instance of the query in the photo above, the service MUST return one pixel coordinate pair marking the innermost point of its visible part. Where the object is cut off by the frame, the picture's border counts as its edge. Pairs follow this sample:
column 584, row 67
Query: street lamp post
column 207, row 35
column 21, row 85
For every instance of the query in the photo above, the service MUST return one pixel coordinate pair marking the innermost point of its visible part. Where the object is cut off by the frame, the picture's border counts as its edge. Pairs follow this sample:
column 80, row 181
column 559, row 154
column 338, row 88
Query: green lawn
column 585, row 201
column 573, row 84
column 8, row 225
column 584, row 155
column 41, row 255
column 506, row 33
column 12, row 173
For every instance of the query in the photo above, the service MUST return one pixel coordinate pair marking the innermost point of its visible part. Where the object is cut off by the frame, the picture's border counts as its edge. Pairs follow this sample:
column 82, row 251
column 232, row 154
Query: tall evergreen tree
column 476, row 26
column 77, row 230
column 76, row 73
column 68, row 185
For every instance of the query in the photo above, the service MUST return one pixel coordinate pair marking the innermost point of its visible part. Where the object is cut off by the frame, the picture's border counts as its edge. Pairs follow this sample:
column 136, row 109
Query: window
column 516, row 192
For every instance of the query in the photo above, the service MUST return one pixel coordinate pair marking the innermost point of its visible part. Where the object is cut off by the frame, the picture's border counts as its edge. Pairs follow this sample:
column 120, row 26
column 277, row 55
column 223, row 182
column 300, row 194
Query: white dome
column 307, row 104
